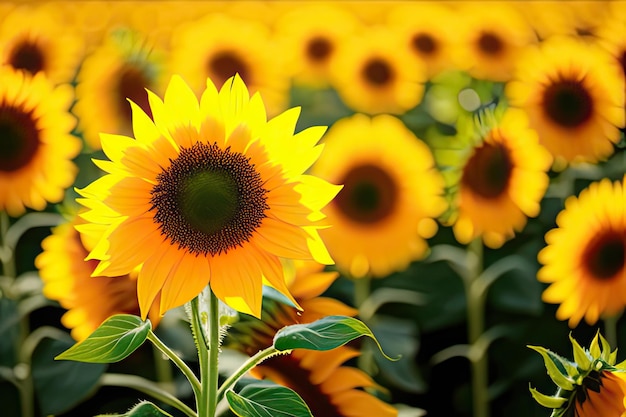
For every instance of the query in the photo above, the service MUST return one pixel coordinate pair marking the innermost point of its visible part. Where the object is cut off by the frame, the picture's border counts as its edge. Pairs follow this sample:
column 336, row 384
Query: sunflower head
column 591, row 386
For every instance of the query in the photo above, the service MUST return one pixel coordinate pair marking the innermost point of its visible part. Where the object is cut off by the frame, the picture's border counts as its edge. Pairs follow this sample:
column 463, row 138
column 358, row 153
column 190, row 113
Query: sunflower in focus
column 573, row 93
column 585, row 258
column 502, row 181
column 207, row 193
column 66, row 276
column 218, row 46
column 35, row 39
column 327, row 387
column 309, row 36
column 373, row 78
column 391, row 191
column 120, row 69
column 37, row 147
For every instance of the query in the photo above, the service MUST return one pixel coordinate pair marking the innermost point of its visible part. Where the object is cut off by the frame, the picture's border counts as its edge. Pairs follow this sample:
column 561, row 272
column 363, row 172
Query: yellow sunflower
column 37, row 148
column 585, row 257
column 612, row 35
column 219, row 46
column 309, row 37
column 36, row 39
column 207, row 193
column 502, row 182
column 373, row 78
column 118, row 70
column 327, row 387
column 67, row 279
column 573, row 93
column 391, row 193
column 489, row 39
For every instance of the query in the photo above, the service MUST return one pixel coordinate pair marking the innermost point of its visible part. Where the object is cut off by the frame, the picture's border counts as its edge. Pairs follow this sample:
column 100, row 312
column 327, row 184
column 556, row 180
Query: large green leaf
column 113, row 341
column 324, row 334
column 143, row 409
column 264, row 399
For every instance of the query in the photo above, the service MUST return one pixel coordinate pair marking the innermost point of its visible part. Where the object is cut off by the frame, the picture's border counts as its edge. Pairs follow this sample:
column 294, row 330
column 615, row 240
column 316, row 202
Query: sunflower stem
column 6, row 251
column 610, row 329
column 202, row 401
column 214, row 347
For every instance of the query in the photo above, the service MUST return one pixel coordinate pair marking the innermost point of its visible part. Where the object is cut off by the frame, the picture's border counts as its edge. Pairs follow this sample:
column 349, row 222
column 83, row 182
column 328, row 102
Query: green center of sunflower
column 319, row 49
column 224, row 65
column 19, row 138
column 424, row 43
column 605, row 255
column 132, row 84
column 27, row 56
column 490, row 44
column 368, row 195
column 209, row 200
column 377, row 72
column 488, row 171
column 568, row 103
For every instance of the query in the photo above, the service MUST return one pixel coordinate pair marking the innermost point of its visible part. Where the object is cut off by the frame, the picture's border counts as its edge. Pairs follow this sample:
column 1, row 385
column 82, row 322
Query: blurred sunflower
column 207, row 193
column 327, row 387
column 422, row 31
column 37, row 148
column 612, row 35
column 490, row 37
column 36, row 39
column 371, row 77
column 573, row 93
column 585, row 257
column 502, row 182
column 219, row 46
column 118, row 70
column 391, row 191
column 67, row 279
column 308, row 37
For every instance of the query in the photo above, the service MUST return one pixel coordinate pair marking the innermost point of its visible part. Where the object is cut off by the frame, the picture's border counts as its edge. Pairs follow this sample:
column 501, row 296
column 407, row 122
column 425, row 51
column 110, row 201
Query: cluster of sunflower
column 452, row 127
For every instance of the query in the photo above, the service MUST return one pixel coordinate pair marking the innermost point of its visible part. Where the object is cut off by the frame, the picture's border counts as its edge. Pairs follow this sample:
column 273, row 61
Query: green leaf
column 113, row 341
column 547, row 400
column 143, row 409
column 561, row 371
column 324, row 334
column 264, row 399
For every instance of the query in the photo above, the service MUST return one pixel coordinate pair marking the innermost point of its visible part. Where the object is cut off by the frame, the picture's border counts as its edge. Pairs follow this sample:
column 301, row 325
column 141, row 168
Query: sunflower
column 371, row 77
column 573, row 93
column 309, row 36
column 208, row 193
column 219, row 46
column 585, row 258
column 37, row 148
column 391, row 190
column 67, row 279
column 612, row 35
column 118, row 70
column 490, row 37
column 35, row 39
column 327, row 387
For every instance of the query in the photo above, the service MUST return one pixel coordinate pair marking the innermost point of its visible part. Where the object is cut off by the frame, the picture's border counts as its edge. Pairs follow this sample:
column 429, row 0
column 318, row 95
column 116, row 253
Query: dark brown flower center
column 224, row 65
column 424, row 44
column 209, row 200
column 319, row 49
column 27, row 56
column 605, row 255
column 488, row 171
column 369, row 194
column 19, row 138
column 567, row 103
column 132, row 84
column 622, row 61
column 377, row 72
column 490, row 44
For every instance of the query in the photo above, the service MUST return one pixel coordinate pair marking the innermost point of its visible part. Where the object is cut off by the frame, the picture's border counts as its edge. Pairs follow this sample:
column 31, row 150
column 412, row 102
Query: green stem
column 610, row 329
column 6, row 252
column 214, row 350
column 147, row 387
column 259, row 357
column 191, row 377
column 362, row 289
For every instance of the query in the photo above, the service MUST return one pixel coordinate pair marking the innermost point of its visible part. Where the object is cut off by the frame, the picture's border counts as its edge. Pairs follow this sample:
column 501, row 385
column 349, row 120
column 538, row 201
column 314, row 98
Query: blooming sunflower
column 373, row 78
column 502, row 182
column 219, row 46
column 35, row 39
column 118, row 70
column 207, row 193
column 490, row 37
column 585, row 258
column 612, row 35
column 391, row 190
column 327, row 387
column 37, row 148
column 67, row 279
column 573, row 93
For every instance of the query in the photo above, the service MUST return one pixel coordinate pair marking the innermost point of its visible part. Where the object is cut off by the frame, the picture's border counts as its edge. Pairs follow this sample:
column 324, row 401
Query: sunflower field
column 312, row 208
